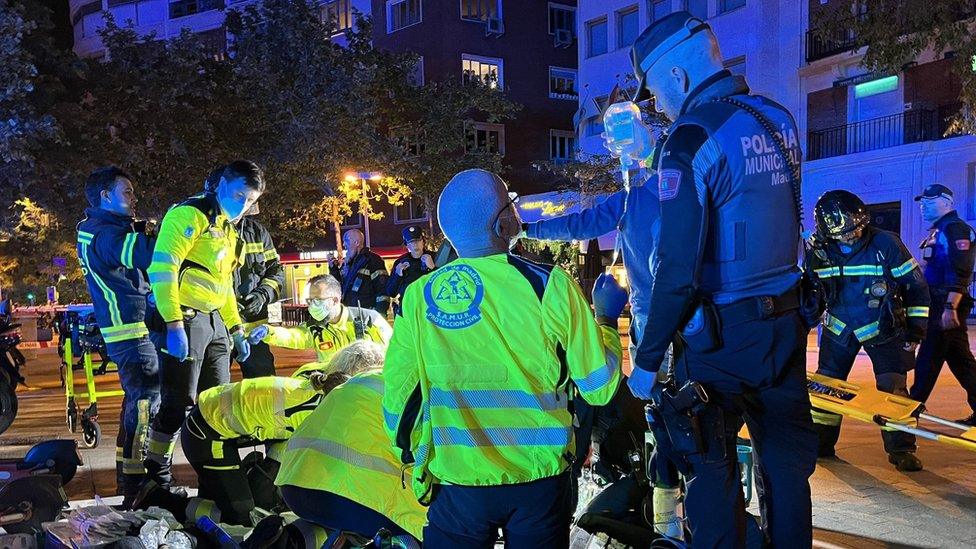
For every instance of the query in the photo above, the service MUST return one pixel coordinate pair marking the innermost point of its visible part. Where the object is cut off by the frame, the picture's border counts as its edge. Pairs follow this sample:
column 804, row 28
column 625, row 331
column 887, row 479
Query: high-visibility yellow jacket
column 262, row 408
column 328, row 338
column 194, row 259
column 480, row 369
column 342, row 449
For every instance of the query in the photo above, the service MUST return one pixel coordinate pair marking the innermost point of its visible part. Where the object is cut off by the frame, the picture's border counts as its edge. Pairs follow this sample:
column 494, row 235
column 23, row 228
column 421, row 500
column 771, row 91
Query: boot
column 905, row 461
column 154, row 495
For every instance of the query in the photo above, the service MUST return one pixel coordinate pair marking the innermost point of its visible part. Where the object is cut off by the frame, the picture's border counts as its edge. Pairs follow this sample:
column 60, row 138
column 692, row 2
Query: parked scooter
column 11, row 361
column 31, row 488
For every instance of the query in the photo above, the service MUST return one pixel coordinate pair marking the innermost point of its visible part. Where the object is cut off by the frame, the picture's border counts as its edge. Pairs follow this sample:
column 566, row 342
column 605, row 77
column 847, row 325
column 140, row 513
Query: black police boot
column 154, row 495
column 971, row 420
column 267, row 534
column 905, row 461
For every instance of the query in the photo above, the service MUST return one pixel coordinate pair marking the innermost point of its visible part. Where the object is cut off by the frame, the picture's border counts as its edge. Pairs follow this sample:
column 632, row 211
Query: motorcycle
column 31, row 488
column 11, row 360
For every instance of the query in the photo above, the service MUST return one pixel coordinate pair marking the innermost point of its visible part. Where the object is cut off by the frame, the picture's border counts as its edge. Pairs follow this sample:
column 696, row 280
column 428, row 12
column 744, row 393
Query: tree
column 896, row 32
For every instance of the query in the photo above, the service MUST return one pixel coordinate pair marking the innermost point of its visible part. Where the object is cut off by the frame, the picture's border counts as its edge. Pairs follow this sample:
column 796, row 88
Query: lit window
column 401, row 14
column 182, row 8
column 485, row 69
column 562, row 84
column 411, row 210
column 594, row 126
column 562, row 18
column 339, row 12
column 480, row 10
column 562, row 145
column 486, row 138
column 628, row 27
column 596, row 37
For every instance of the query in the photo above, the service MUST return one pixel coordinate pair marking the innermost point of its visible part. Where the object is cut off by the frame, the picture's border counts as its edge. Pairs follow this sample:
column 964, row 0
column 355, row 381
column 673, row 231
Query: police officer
column 192, row 276
column 114, row 255
column 725, row 285
column 948, row 253
column 410, row 266
column 479, row 372
column 876, row 297
column 362, row 274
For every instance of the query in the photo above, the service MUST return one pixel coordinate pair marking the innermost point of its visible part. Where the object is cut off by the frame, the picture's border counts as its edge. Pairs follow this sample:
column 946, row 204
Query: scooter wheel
column 91, row 434
column 8, row 402
column 43, row 499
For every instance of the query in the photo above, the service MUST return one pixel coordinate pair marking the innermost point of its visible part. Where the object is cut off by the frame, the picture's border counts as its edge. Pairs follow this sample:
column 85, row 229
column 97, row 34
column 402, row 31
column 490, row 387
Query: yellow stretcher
column 865, row 403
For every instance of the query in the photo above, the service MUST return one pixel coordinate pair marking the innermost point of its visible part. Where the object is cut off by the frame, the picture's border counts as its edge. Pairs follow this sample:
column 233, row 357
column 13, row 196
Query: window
column 412, row 141
column 594, row 126
column 736, row 65
column 182, row 8
column 562, row 84
column 480, row 10
column 485, row 69
column 411, row 210
column 628, row 27
column 658, row 9
column 215, row 42
column 562, row 18
column 354, row 220
column 562, row 145
column 486, row 138
column 402, row 13
column 729, row 5
column 339, row 12
column 698, row 8
column 596, row 37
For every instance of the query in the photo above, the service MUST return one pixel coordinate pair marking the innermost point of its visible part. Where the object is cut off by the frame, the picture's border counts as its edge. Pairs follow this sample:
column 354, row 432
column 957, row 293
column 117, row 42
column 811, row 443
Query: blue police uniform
column 876, row 298
column 948, row 252
column 114, row 257
column 728, row 220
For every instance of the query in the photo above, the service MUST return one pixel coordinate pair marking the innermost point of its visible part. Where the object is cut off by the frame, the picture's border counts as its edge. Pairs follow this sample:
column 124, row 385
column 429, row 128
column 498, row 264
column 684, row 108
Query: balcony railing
column 879, row 133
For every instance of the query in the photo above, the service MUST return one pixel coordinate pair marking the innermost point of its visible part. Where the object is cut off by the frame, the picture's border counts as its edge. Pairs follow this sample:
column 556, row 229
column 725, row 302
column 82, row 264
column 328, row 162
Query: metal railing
column 878, row 133
column 819, row 47
column 293, row 315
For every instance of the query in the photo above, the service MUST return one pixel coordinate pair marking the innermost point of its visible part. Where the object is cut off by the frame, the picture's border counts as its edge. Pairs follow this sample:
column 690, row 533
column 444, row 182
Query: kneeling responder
column 338, row 471
column 114, row 254
column 192, row 277
column 480, row 372
column 876, row 297
column 333, row 325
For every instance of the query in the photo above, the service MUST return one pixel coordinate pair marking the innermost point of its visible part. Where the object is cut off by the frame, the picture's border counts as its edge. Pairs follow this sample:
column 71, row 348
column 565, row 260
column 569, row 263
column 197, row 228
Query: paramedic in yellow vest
column 332, row 325
column 479, row 375
column 192, row 278
column 338, row 471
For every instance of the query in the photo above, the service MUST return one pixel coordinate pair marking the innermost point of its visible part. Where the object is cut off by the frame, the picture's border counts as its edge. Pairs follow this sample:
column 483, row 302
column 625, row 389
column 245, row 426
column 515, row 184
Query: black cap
column 935, row 191
column 412, row 233
column 661, row 37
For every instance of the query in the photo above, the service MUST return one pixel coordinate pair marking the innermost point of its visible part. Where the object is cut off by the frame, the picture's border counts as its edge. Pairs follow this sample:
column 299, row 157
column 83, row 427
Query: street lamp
column 363, row 177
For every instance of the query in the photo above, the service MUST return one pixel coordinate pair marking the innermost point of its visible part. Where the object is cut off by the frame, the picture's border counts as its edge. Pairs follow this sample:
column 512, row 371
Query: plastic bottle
column 625, row 136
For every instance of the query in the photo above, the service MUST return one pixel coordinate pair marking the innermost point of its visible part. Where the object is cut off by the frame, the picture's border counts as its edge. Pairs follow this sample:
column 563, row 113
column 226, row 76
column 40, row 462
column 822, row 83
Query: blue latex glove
column 258, row 334
column 177, row 344
column 641, row 383
column 609, row 298
column 241, row 345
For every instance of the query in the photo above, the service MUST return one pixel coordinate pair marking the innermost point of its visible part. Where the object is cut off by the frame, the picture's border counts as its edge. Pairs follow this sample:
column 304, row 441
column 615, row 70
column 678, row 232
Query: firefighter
column 332, row 327
column 480, row 372
column 949, row 252
column 876, row 298
column 410, row 266
column 114, row 253
column 362, row 275
column 192, row 277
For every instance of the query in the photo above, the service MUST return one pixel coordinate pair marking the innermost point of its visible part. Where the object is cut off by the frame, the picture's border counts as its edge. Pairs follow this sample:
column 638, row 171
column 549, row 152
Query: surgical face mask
column 235, row 198
column 321, row 309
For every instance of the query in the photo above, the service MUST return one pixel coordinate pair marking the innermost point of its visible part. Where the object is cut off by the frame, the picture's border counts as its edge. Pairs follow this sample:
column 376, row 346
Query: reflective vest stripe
column 222, row 467
column 162, row 278
column 391, row 419
column 825, row 418
column 918, row 312
column 85, row 237
column 865, row 333
column 904, row 268
column 254, row 248
column 345, row 454
column 113, row 304
column 491, row 398
column 834, row 324
column 502, row 436
column 600, row 377
column 199, row 507
column 862, row 270
column 270, row 255
column 271, row 283
column 163, row 257
column 827, row 272
column 128, row 248
column 124, row 332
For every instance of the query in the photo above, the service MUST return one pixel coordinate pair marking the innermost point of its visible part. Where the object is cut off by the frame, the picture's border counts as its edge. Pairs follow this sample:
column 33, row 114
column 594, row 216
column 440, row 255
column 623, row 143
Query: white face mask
column 320, row 310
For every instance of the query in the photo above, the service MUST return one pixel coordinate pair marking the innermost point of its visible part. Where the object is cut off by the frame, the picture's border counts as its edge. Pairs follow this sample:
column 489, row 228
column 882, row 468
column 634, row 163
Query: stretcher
column 79, row 334
column 865, row 403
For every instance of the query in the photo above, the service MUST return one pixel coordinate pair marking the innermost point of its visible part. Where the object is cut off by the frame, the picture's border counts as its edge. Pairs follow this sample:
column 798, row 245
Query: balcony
column 912, row 126
column 182, row 8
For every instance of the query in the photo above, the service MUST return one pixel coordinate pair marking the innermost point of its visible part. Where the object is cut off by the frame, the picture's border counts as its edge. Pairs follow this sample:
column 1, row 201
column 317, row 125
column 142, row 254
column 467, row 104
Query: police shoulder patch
column 669, row 182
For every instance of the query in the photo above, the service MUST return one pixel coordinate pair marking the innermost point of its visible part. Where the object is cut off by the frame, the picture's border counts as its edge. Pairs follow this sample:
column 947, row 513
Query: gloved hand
column 177, row 344
column 609, row 298
column 258, row 334
column 241, row 345
column 641, row 383
column 253, row 304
